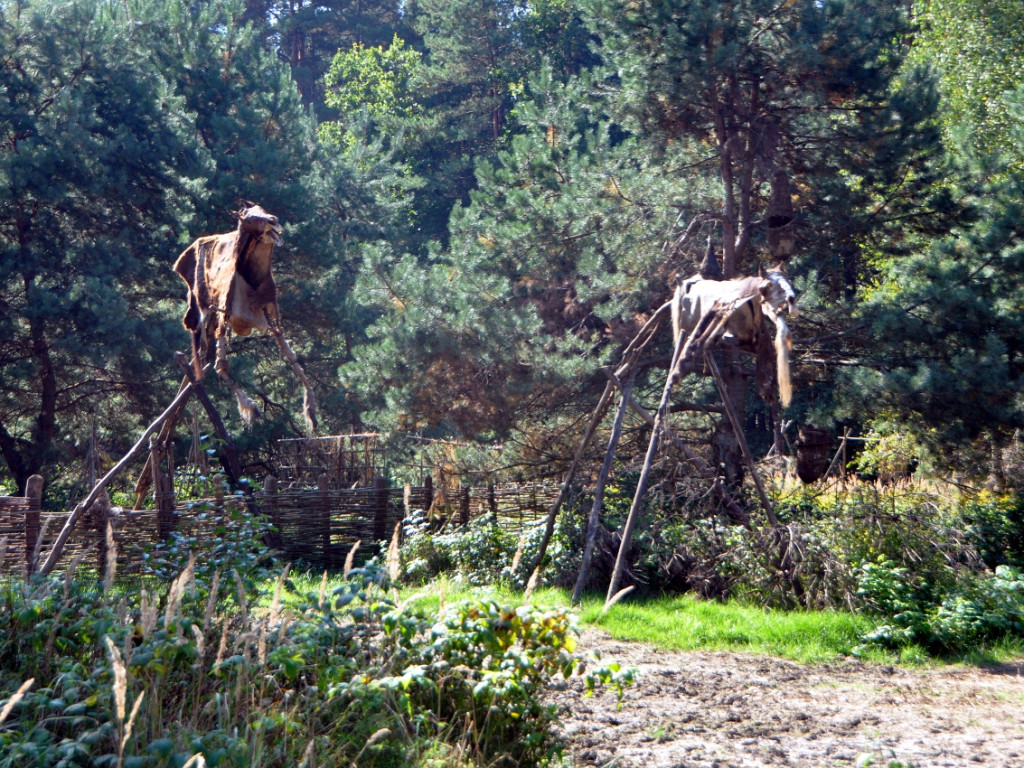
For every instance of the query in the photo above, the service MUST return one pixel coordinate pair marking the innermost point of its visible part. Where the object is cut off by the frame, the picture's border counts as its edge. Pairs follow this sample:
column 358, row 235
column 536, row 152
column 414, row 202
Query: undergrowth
column 188, row 672
column 928, row 574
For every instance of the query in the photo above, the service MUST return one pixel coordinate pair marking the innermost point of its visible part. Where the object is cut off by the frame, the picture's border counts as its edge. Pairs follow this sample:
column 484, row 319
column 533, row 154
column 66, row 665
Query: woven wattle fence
column 316, row 525
column 320, row 526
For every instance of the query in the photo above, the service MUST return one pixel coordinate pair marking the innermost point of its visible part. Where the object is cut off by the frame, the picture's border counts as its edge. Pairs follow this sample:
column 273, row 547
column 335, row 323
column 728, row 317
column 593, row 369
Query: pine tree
column 247, row 112
column 798, row 102
column 548, row 267
column 95, row 182
column 947, row 360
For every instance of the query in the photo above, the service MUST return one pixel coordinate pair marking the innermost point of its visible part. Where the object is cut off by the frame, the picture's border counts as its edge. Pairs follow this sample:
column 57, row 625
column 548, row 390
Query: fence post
column 428, row 493
column 464, row 506
column 34, row 494
column 99, row 516
column 271, row 510
column 163, row 488
column 380, row 509
column 325, row 515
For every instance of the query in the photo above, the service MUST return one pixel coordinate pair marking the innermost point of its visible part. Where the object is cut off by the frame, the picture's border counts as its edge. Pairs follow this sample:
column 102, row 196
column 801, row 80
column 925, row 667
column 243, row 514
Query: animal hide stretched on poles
column 231, row 287
column 753, row 299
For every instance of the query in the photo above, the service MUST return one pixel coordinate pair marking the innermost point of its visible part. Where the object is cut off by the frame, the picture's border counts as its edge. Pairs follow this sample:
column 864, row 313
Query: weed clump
column 195, row 668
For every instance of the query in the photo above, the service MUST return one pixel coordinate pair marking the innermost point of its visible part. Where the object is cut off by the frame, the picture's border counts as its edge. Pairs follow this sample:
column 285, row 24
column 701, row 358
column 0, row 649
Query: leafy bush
column 995, row 523
column 981, row 608
column 153, row 675
column 483, row 552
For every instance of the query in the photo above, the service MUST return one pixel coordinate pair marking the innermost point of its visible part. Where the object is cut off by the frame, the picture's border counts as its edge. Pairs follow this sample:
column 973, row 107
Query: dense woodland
column 484, row 200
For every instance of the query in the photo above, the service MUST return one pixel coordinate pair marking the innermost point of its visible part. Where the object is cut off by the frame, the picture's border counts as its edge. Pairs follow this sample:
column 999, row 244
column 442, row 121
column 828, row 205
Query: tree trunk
column 726, row 444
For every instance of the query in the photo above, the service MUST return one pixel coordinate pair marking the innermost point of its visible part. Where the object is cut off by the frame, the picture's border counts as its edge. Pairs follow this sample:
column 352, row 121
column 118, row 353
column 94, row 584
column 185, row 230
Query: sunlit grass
column 685, row 623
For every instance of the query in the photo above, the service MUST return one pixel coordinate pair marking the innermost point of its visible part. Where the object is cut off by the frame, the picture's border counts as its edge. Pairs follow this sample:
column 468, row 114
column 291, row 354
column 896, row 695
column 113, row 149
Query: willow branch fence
column 317, row 525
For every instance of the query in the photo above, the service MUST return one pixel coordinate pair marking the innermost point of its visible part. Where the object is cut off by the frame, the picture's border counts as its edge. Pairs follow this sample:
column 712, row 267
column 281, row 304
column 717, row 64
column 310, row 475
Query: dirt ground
column 727, row 710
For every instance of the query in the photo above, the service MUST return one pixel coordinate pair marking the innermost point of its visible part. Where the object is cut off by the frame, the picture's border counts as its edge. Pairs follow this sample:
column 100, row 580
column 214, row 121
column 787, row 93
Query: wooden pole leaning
column 641, row 488
column 602, row 478
column 231, row 463
column 741, row 439
column 146, row 476
column 563, row 492
column 631, row 356
column 735, row 511
column 62, row 538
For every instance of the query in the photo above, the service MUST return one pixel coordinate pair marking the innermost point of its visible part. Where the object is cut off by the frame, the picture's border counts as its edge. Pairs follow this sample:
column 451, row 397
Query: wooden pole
column 629, row 360
column 269, row 504
column 741, row 438
column 464, row 506
column 34, row 494
column 785, row 563
column 163, row 524
column 69, row 525
column 230, row 456
column 428, row 493
column 380, row 509
column 146, row 476
column 735, row 511
column 641, row 487
column 99, row 516
column 595, row 509
column 325, row 516
column 563, row 492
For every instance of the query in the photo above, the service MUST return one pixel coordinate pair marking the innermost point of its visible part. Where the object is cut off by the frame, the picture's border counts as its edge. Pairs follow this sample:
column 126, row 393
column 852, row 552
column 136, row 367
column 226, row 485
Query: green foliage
column 211, row 666
column 948, row 330
column 307, row 36
column 97, row 174
column 379, row 80
column 487, row 664
column 976, row 47
column 977, row 611
column 995, row 523
column 482, row 553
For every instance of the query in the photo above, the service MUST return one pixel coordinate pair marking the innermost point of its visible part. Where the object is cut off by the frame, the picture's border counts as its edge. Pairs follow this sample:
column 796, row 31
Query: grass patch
column 685, row 623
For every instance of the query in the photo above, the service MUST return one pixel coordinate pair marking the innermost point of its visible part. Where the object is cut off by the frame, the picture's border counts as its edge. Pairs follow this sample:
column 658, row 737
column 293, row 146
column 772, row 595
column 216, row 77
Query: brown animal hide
column 231, row 287
column 752, row 299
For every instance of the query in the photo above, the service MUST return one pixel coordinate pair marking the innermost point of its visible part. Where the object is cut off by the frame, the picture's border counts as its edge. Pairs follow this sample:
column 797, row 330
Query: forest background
column 484, row 200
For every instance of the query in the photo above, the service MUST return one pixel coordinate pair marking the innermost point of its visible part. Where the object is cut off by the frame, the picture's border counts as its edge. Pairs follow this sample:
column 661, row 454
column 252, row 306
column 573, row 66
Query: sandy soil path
column 726, row 710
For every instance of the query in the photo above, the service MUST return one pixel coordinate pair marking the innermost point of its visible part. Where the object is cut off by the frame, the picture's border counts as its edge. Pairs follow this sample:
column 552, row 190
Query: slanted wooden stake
column 563, row 492
column 741, row 438
column 784, row 562
column 602, row 478
column 734, row 510
column 62, row 538
column 231, row 464
column 641, row 487
column 630, row 357
column 166, row 430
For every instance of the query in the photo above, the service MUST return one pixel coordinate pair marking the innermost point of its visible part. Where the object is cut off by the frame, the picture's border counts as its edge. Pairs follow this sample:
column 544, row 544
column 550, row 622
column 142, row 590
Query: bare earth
column 727, row 710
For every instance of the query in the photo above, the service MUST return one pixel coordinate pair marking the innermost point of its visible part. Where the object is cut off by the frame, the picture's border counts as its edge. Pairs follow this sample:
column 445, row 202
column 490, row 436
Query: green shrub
column 995, row 523
column 979, row 610
column 151, row 674
column 484, row 552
